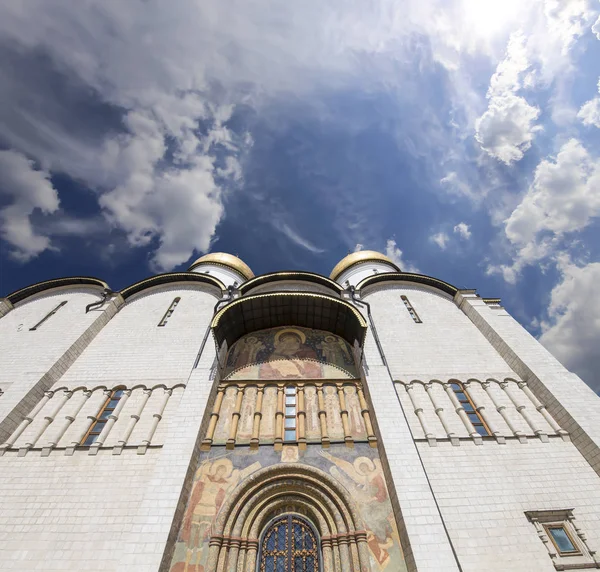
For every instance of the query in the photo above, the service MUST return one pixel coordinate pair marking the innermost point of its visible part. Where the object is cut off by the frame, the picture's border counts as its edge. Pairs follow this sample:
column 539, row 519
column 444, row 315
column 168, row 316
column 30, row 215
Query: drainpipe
column 227, row 297
column 352, row 291
column 106, row 294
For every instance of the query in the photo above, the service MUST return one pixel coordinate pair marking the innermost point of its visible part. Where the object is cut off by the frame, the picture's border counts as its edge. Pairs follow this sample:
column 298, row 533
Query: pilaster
column 571, row 402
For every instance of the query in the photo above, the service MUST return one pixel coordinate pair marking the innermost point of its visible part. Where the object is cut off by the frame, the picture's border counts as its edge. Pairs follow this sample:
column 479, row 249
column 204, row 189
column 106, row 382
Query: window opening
column 289, row 545
column 169, row 312
column 289, row 424
column 49, row 315
column 561, row 539
column 411, row 310
column 105, row 411
column 467, row 404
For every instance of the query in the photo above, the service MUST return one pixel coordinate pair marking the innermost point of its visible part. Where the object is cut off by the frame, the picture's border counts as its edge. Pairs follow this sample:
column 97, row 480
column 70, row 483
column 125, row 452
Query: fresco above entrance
column 290, row 353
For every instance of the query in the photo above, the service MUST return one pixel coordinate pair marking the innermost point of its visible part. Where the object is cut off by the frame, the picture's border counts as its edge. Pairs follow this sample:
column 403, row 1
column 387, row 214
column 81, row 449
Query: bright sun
column 490, row 17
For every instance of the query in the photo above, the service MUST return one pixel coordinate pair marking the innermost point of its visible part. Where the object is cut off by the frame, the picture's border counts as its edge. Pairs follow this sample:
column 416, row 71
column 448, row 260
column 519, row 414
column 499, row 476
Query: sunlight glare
column 490, row 17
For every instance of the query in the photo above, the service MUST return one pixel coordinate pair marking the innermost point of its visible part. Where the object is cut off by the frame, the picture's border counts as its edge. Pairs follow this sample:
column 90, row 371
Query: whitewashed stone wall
column 445, row 343
column 483, row 493
column 133, row 349
column 112, row 506
column 70, row 513
column 572, row 403
column 32, row 361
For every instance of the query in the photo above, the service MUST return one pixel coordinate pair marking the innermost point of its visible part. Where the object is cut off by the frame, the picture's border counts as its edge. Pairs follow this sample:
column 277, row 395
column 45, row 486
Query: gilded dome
column 224, row 259
column 360, row 256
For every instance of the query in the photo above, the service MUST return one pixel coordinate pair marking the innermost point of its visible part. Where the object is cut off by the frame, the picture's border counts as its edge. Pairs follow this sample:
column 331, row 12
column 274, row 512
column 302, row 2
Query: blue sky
column 460, row 137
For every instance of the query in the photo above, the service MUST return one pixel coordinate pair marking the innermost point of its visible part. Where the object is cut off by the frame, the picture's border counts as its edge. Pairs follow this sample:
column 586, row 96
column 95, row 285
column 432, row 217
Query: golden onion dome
column 224, row 259
column 356, row 258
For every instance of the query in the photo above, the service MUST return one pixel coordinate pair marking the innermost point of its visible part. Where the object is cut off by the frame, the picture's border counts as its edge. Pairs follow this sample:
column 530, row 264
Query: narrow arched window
column 103, row 415
column 289, row 544
column 467, row 404
column 48, row 316
column 169, row 312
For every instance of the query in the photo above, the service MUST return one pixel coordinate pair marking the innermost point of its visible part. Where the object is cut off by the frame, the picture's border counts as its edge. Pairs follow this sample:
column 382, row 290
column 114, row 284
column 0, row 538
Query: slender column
column 481, row 410
column 462, row 414
column 68, row 419
column 354, row 557
column 235, row 417
column 49, row 419
column 112, row 419
column 26, row 422
column 251, row 552
column 502, row 410
column 255, row 439
column 301, row 417
column 366, row 416
column 440, row 413
column 344, row 412
column 135, row 417
column 326, row 549
column 214, row 548
column 233, row 554
column 344, row 552
column 157, row 417
column 214, row 418
column 322, row 417
column 279, row 420
column 544, row 412
column 363, row 549
column 522, row 409
column 410, row 389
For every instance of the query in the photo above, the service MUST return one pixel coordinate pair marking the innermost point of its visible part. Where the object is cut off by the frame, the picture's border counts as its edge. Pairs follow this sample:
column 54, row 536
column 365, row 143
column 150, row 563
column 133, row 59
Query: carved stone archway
column 290, row 488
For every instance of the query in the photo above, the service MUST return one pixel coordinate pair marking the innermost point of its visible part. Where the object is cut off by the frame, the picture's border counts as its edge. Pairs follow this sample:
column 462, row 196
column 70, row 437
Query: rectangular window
column 103, row 415
column 289, row 422
column 561, row 539
column 474, row 416
column 49, row 315
column 411, row 310
column 169, row 312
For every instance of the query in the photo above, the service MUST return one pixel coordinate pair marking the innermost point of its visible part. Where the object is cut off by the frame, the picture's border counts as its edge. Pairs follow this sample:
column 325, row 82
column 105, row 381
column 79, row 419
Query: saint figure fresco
column 364, row 479
column 290, row 353
column 212, row 483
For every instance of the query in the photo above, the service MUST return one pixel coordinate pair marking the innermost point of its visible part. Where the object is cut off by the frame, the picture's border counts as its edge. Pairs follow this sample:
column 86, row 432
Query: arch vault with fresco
column 289, row 464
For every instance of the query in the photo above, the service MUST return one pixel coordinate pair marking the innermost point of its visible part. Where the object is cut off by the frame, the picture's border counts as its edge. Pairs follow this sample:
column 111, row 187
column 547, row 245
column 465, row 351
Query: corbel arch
column 290, row 488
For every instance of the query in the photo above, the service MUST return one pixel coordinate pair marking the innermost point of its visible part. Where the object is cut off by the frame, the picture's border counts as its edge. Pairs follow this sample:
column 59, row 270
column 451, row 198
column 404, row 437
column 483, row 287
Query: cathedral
column 214, row 420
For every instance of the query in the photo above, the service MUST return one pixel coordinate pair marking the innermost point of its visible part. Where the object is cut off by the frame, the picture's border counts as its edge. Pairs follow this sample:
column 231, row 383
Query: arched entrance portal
column 289, row 543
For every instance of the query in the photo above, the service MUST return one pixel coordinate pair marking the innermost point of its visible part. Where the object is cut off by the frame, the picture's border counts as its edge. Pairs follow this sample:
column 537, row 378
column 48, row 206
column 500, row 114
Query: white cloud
column 462, row 229
column 298, row 240
column 396, row 255
column 596, row 28
column 572, row 333
column 441, row 239
column 506, row 129
column 563, row 198
column 568, row 20
column 27, row 189
column 590, row 111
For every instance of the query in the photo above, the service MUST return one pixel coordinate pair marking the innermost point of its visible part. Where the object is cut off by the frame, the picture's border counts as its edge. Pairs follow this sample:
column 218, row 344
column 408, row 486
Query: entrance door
column 289, row 545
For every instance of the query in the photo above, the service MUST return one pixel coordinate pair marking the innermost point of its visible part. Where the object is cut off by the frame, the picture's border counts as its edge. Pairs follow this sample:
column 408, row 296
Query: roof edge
column 24, row 293
column 290, row 275
column 408, row 277
column 167, row 278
